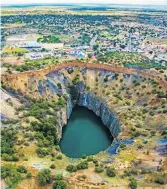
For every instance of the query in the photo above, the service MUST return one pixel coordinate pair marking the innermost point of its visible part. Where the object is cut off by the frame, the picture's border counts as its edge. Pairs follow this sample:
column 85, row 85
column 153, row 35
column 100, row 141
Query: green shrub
column 49, row 39
column 44, row 177
column 26, row 144
column 15, row 157
column 153, row 133
column 133, row 183
column 52, row 166
column 159, row 181
column 95, row 161
column 42, row 152
column 89, row 158
column 70, row 70
column 59, row 184
column 82, row 165
column 134, row 171
column 122, row 146
column 59, row 85
column 111, row 172
column 127, row 173
column 84, row 176
column 8, row 139
column 164, row 132
column 58, row 177
column 76, row 80
column 29, row 175
column 59, row 157
column 105, row 79
column 57, row 148
column 99, row 169
column 71, row 168
column 61, row 102
column 21, row 169
column 144, row 171
column 84, row 156
column 11, row 175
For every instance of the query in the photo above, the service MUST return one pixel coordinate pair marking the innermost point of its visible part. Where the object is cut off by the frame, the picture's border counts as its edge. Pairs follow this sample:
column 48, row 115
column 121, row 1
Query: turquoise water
column 84, row 134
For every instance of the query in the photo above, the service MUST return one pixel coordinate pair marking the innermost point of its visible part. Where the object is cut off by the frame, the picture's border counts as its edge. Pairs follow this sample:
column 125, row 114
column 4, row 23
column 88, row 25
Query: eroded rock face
column 47, row 87
column 109, row 118
column 78, row 95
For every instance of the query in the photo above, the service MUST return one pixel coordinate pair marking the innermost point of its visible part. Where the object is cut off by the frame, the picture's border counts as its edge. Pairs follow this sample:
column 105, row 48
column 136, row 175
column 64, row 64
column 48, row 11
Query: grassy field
column 14, row 51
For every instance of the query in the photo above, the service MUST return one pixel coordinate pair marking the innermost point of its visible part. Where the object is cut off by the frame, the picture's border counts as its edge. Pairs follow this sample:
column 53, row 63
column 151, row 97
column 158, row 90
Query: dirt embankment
column 14, row 79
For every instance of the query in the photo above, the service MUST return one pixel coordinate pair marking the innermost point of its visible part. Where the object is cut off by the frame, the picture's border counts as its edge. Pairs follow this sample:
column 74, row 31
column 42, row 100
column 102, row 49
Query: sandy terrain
column 13, row 60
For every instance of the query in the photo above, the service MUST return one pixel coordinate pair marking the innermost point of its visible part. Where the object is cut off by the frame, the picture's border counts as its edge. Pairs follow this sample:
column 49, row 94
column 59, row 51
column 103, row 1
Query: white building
column 38, row 56
column 28, row 44
column 12, row 40
column 53, row 46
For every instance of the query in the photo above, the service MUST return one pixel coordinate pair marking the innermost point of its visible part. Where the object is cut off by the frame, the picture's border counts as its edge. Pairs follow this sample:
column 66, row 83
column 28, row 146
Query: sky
column 151, row 2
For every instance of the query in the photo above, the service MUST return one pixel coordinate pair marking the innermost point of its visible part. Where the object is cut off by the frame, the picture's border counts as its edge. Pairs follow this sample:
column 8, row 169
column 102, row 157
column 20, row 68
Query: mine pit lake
column 84, row 134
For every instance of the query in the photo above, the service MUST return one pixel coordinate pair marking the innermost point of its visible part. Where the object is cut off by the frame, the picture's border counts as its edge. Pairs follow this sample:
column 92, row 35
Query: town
column 66, row 34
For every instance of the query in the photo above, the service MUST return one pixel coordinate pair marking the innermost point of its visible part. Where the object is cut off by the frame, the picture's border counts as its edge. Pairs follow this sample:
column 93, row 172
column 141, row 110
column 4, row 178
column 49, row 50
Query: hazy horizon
column 121, row 2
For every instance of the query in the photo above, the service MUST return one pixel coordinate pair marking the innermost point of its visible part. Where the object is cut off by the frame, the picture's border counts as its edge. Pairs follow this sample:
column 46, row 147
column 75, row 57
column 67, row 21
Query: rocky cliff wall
column 108, row 117
column 90, row 101
column 47, row 88
column 78, row 95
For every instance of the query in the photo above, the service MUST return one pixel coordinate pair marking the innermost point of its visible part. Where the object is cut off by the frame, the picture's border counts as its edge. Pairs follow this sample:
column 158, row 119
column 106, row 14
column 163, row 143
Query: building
column 28, row 44
column 53, row 46
column 16, row 39
column 38, row 56
column 78, row 54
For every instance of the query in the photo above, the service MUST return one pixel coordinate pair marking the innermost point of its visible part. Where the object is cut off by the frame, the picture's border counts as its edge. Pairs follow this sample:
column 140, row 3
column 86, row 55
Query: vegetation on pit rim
column 14, row 174
column 130, row 60
column 42, row 110
column 44, row 177
column 35, row 64
column 44, row 128
column 8, row 140
column 127, row 59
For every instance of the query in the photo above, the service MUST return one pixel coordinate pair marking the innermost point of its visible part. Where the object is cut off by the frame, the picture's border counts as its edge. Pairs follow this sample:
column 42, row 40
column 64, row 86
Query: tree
column 42, row 152
column 7, row 144
column 133, row 183
column 59, row 157
column 159, row 181
column 44, row 177
column 52, row 166
column 59, row 184
column 58, row 177
column 21, row 169
column 82, row 165
column 29, row 175
column 11, row 175
column 15, row 157
column 111, row 172
column 99, row 169
column 59, row 85
column 71, row 168
column 95, row 47
column 70, row 70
